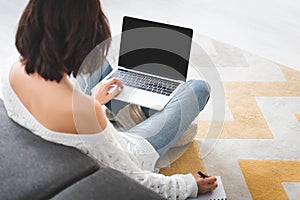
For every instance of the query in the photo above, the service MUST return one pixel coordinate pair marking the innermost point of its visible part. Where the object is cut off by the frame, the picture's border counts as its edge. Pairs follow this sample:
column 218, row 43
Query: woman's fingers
column 115, row 81
column 210, row 180
column 210, row 186
column 107, row 90
column 114, row 93
column 206, row 184
column 216, row 184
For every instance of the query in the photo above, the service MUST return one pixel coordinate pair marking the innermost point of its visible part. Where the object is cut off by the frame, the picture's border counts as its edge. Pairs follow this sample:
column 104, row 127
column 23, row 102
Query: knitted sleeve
column 179, row 186
column 170, row 187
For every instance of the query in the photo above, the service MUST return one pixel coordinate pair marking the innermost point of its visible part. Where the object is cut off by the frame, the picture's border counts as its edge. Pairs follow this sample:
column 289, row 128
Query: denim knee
column 202, row 90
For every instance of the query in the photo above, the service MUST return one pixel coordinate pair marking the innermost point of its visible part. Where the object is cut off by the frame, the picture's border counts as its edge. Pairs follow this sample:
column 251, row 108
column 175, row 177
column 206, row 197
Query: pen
column 202, row 175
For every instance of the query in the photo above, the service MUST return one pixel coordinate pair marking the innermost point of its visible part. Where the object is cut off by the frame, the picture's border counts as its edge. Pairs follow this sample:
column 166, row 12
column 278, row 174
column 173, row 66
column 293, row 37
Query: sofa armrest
column 33, row 168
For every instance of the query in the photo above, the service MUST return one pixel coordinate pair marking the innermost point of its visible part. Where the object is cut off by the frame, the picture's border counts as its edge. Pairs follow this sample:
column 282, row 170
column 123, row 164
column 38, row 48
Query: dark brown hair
column 55, row 36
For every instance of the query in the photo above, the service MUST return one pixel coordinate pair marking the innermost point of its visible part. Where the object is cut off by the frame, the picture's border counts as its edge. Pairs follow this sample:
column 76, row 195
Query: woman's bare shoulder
column 15, row 72
column 88, row 114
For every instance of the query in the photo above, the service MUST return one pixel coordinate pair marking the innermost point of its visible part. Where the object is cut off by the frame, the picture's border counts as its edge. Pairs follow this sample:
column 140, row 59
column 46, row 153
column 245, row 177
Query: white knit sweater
column 130, row 154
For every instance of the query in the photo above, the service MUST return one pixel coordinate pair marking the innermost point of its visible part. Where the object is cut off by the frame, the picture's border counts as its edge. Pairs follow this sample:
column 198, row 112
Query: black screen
column 155, row 48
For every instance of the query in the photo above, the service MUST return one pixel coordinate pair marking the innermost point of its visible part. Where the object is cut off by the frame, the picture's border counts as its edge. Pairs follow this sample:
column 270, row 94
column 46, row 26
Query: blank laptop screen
column 155, row 48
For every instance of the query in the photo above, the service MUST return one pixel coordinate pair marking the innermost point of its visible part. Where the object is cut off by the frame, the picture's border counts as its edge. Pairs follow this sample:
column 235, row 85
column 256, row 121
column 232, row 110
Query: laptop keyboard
column 144, row 82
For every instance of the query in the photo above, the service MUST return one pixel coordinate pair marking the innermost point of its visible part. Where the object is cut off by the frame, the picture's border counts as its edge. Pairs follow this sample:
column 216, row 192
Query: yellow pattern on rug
column 189, row 162
column 264, row 177
column 249, row 123
column 298, row 117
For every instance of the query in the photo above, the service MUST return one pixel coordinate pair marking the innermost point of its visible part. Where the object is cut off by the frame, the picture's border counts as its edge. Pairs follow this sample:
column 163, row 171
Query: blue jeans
column 163, row 128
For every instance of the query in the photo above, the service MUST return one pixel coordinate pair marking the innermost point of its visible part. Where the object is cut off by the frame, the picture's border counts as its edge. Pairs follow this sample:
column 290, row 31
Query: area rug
column 189, row 162
column 255, row 148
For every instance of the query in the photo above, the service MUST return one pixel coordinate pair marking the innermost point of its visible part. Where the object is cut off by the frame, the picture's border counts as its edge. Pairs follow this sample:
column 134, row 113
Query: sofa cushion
column 33, row 168
column 107, row 184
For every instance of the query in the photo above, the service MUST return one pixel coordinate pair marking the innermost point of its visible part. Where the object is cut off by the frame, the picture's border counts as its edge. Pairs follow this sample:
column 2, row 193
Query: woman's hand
column 102, row 92
column 205, row 184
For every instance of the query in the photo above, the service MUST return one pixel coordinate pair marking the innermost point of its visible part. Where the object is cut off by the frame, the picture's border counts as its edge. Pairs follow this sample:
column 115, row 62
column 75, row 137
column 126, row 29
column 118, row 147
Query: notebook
column 217, row 194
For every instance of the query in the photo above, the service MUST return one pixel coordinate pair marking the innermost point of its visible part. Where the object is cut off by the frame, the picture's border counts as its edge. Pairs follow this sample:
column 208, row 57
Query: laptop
column 153, row 61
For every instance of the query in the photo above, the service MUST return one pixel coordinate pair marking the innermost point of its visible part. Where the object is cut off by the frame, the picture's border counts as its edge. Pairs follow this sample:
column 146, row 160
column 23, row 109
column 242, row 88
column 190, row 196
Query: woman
column 53, row 39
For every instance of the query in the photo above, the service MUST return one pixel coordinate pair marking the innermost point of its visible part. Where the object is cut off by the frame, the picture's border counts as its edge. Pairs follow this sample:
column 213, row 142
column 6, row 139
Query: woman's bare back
column 57, row 106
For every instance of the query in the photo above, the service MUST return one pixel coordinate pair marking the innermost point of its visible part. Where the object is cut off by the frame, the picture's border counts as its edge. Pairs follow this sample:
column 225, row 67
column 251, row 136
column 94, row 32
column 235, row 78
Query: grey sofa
column 33, row 168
